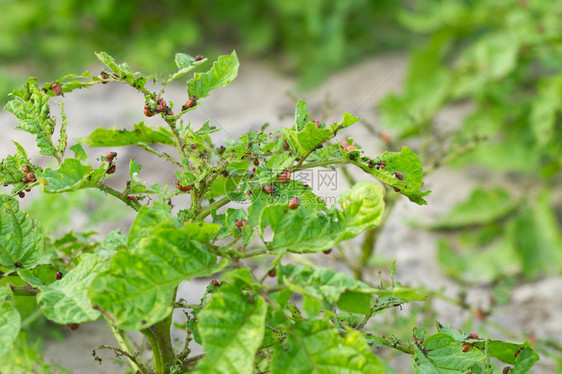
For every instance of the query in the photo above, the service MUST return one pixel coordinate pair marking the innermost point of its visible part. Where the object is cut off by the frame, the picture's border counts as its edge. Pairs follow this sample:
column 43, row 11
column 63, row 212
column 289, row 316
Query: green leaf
column 201, row 231
column 489, row 59
column 284, row 192
column 79, row 152
column 309, row 229
column 323, row 284
column 72, row 175
column 315, row 346
column 525, row 360
column 496, row 260
column 546, row 109
column 147, row 219
column 537, row 237
column 301, row 115
column 102, row 137
column 443, row 354
column 10, row 322
column 137, row 288
column 66, row 301
column 232, row 329
column 338, row 288
column 5, row 293
column 11, row 167
column 310, row 136
column 184, row 60
column 122, row 71
column 482, row 207
column 220, row 75
column 21, row 238
column 136, row 184
column 61, row 148
column 457, row 335
column 70, row 83
column 363, row 208
column 31, row 106
column 408, row 164
column 185, row 64
column 113, row 241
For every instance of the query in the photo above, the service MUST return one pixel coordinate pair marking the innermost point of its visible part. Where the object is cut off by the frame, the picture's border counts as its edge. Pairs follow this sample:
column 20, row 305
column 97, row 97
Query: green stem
column 348, row 177
column 30, row 318
column 255, row 252
column 179, row 144
column 127, row 346
column 120, row 195
column 119, row 352
column 319, row 144
column 179, row 304
column 24, row 291
column 163, row 337
column 209, row 208
column 156, row 355
column 350, row 264
column 163, row 155
column 317, row 164
column 394, row 344
column 161, row 341
column 456, row 153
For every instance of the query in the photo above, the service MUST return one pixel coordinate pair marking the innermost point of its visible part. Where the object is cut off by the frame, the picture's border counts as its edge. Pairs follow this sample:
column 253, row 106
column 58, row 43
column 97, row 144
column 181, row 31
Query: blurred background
column 473, row 87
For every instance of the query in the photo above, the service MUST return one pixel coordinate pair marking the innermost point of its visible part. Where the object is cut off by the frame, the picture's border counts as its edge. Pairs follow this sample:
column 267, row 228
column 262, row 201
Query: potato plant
column 280, row 317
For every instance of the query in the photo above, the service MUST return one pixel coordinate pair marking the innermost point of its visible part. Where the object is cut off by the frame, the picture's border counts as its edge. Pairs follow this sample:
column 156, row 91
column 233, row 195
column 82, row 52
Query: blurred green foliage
column 310, row 38
column 503, row 57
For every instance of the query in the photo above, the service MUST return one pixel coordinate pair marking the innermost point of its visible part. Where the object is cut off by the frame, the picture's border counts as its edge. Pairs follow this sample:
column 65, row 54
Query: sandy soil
column 260, row 95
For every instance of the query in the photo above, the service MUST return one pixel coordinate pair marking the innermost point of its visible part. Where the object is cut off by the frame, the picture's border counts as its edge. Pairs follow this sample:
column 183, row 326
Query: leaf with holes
column 441, row 353
column 305, row 136
column 140, row 134
column 315, row 347
column 408, row 164
column 72, row 175
column 31, row 106
column 220, row 75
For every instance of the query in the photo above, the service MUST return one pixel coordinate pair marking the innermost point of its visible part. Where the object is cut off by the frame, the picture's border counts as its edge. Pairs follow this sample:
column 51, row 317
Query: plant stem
column 179, row 144
column 322, row 164
column 120, row 352
column 30, row 318
column 209, row 208
column 163, row 155
column 395, row 344
column 24, row 291
column 156, row 355
column 454, row 154
column 179, row 304
column 127, row 346
column 161, row 341
column 161, row 332
column 120, row 195
column 255, row 252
